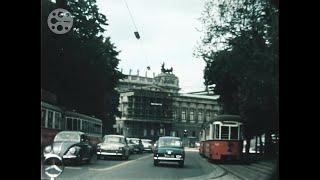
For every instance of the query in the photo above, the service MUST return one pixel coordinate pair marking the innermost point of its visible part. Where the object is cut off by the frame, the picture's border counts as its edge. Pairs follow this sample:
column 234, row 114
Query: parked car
column 131, row 146
column 72, row 146
column 147, row 145
column 169, row 149
column 138, row 146
column 113, row 145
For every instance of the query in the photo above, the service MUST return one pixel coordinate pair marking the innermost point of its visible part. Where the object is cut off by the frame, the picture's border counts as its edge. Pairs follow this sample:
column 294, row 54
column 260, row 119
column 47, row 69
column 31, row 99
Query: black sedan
column 169, row 149
column 72, row 146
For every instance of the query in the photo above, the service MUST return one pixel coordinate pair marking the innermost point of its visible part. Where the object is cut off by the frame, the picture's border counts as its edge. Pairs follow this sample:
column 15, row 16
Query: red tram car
column 54, row 120
column 222, row 138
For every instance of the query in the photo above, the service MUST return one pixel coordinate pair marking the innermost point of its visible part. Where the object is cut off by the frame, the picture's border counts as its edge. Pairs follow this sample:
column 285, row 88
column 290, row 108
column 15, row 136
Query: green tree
column 240, row 47
column 80, row 67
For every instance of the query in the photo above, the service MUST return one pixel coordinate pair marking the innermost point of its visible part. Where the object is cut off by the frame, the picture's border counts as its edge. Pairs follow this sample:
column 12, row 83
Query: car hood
column 61, row 148
column 111, row 146
column 146, row 144
column 173, row 150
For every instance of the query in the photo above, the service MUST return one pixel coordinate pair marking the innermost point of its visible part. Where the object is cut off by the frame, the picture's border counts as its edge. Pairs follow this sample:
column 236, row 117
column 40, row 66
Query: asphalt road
column 140, row 166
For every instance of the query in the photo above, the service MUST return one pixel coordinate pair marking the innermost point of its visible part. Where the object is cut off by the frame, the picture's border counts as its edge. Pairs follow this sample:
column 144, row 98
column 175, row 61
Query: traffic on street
column 140, row 166
column 163, row 90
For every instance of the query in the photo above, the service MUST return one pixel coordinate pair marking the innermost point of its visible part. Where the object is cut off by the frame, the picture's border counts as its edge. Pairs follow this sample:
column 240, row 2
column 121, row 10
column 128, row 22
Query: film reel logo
column 60, row 21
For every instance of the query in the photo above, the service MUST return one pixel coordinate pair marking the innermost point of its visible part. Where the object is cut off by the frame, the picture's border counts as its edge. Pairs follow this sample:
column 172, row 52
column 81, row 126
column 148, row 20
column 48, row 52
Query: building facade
column 153, row 107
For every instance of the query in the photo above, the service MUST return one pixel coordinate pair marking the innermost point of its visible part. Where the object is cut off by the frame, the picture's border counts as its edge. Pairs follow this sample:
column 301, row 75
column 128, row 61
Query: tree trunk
column 248, row 146
column 247, row 150
column 267, row 146
column 260, row 145
column 256, row 144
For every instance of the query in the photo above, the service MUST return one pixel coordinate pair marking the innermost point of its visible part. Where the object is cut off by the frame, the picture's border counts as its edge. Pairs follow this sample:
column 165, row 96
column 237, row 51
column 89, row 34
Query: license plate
column 168, row 156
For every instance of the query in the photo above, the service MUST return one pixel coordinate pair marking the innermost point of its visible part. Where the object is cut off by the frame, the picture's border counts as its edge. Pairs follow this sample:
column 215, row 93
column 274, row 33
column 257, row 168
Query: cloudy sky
column 168, row 34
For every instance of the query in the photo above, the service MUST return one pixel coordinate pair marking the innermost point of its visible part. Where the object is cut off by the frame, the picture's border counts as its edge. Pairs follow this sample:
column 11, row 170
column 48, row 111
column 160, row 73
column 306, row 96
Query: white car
column 113, row 145
column 147, row 145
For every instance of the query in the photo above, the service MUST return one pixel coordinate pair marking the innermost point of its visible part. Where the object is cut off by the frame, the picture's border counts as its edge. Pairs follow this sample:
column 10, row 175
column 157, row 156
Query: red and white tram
column 222, row 138
column 54, row 119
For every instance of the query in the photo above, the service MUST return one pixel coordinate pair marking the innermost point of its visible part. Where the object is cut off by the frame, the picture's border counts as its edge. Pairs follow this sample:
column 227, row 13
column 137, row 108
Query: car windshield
column 113, row 139
column 163, row 142
column 67, row 136
column 135, row 141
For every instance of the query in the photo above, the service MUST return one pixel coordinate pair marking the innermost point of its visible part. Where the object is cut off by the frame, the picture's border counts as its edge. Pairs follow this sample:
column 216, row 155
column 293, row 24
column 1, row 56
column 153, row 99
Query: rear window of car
column 171, row 142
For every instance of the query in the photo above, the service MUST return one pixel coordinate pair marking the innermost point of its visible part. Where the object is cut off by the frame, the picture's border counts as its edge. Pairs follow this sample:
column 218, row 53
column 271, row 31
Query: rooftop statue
column 166, row 70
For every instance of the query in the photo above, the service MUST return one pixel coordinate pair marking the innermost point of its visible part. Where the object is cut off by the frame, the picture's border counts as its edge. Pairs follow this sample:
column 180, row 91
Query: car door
column 85, row 146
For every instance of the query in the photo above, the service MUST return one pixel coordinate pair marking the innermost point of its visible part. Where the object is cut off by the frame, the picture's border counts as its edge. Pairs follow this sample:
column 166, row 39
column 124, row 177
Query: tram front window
column 224, row 132
column 234, row 133
column 217, row 131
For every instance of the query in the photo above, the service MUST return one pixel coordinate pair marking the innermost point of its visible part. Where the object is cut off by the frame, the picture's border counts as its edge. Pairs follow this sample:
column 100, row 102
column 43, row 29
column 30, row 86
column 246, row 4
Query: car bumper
column 68, row 158
column 110, row 153
column 168, row 158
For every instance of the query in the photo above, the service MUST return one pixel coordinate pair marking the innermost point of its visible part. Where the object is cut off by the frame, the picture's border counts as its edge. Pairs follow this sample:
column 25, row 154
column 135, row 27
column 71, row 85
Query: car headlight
column 121, row 148
column 72, row 150
column 47, row 149
column 179, row 156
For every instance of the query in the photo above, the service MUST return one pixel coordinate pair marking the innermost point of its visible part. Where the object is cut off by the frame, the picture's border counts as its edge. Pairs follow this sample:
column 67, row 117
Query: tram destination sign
column 156, row 104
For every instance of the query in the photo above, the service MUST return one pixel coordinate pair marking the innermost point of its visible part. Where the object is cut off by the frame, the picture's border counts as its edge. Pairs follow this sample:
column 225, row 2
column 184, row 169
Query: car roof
column 133, row 138
column 74, row 132
column 169, row 137
column 114, row 135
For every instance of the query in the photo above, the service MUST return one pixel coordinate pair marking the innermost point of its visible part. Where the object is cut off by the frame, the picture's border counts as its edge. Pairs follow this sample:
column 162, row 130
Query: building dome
column 167, row 81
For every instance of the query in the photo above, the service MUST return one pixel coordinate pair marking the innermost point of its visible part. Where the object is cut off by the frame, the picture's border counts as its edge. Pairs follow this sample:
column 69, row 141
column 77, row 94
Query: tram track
column 245, row 172
column 228, row 171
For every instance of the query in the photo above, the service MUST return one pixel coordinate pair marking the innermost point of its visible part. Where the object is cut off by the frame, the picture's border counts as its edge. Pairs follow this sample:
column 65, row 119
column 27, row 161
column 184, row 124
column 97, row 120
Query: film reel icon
column 60, row 21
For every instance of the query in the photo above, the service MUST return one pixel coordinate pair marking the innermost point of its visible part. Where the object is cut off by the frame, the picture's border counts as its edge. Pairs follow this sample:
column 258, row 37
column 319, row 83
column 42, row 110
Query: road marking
column 121, row 164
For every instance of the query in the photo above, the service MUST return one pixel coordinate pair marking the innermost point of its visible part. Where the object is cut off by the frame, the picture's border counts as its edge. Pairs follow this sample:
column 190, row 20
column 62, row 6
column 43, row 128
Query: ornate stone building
column 153, row 107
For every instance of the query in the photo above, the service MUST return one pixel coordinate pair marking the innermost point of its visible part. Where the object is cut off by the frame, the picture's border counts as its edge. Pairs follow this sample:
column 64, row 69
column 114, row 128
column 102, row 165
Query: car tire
column 155, row 162
column 181, row 164
column 124, row 157
column 89, row 160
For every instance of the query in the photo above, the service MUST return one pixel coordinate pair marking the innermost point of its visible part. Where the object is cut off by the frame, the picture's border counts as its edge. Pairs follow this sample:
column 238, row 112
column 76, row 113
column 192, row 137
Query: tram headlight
column 47, row 149
column 73, row 150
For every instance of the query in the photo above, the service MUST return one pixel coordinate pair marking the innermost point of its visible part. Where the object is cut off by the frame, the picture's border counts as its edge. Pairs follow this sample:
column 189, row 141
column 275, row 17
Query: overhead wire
column 137, row 35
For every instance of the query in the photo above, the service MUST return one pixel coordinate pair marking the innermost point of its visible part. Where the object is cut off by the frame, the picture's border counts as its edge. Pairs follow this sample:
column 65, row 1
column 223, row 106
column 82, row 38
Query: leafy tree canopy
column 240, row 48
column 80, row 67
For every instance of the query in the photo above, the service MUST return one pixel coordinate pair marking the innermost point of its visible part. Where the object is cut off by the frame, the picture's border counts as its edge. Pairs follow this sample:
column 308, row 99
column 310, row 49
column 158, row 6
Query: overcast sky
column 168, row 34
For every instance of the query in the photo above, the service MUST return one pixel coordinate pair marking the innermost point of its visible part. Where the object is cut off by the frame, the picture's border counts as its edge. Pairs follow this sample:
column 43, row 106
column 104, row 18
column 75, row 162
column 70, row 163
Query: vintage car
column 113, row 145
column 72, row 146
column 147, row 145
column 137, row 145
column 131, row 146
column 169, row 149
